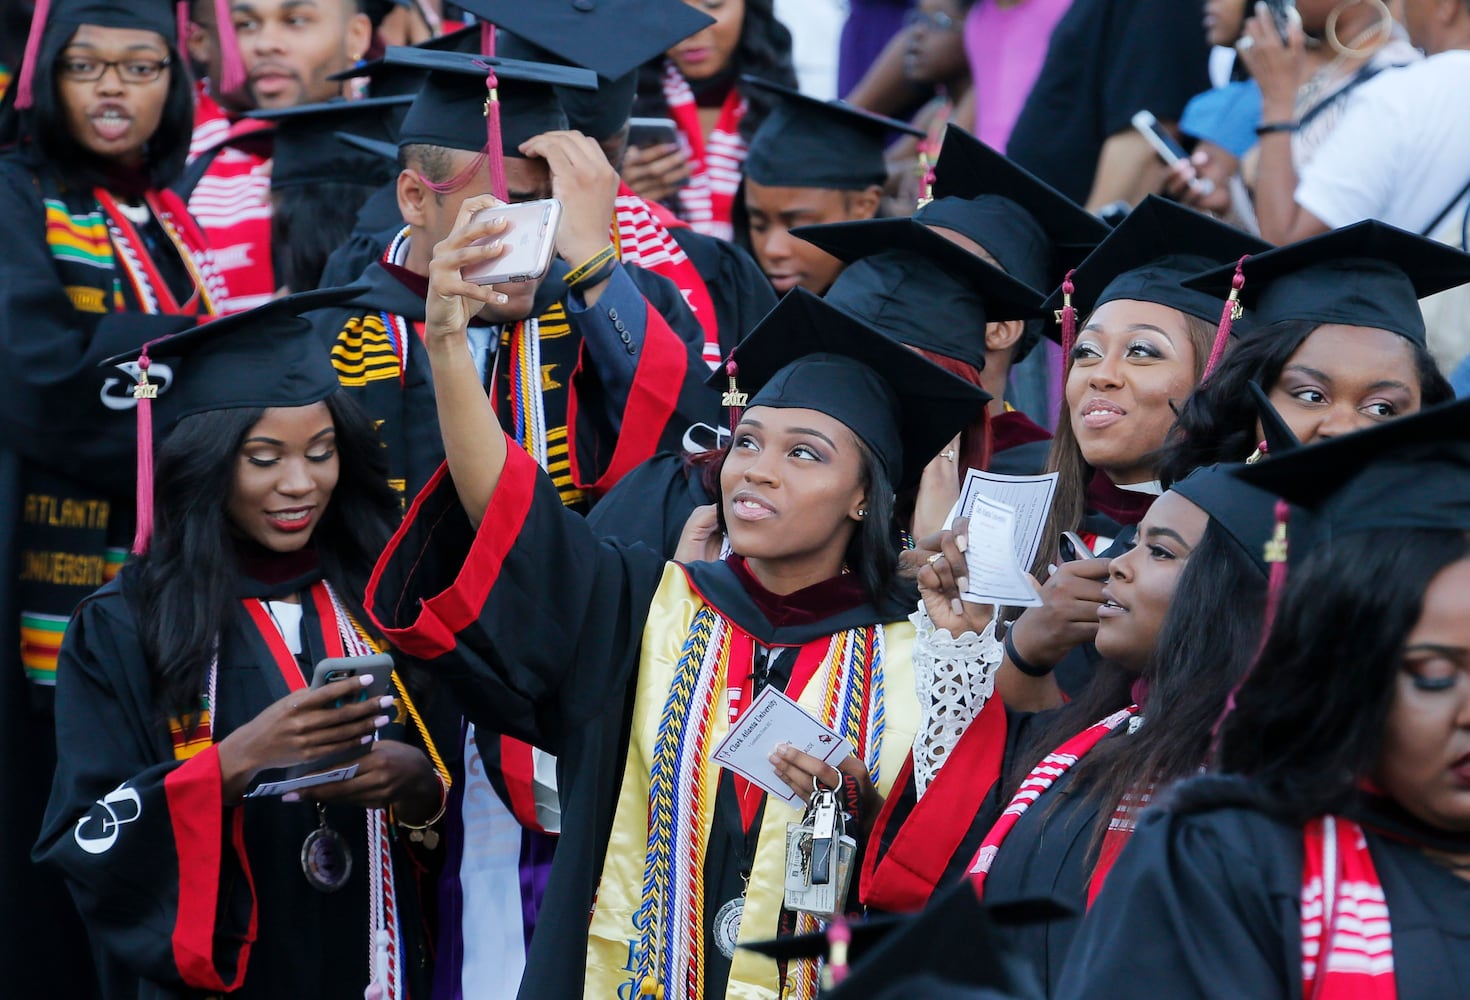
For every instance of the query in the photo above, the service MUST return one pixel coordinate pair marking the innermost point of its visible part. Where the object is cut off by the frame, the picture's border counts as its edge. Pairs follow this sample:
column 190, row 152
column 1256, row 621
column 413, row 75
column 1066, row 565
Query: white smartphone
column 1168, row 148
column 530, row 236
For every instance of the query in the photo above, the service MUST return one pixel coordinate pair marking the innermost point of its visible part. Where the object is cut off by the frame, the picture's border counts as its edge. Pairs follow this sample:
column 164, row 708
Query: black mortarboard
column 1245, row 513
column 811, row 355
column 307, row 150
column 1149, row 256
column 920, row 288
column 1368, row 274
column 610, row 37
column 381, row 150
column 808, row 143
column 56, row 20
column 266, row 356
column 1411, row 472
column 952, row 941
column 1033, row 230
column 1278, row 436
column 449, row 110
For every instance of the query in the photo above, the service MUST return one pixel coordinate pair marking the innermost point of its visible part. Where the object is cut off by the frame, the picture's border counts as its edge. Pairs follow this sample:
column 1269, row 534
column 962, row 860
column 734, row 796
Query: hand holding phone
column 1072, row 548
column 1168, row 148
column 530, row 238
column 339, row 668
column 646, row 132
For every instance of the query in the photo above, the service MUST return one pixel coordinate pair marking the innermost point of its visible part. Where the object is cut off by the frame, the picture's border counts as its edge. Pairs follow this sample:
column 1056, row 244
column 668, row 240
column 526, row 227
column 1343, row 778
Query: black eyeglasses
column 81, row 69
column 938, row 20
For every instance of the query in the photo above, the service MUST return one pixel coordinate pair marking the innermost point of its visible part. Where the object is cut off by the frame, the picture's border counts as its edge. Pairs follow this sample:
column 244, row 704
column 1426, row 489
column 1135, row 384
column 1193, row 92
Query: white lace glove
column 954, row 677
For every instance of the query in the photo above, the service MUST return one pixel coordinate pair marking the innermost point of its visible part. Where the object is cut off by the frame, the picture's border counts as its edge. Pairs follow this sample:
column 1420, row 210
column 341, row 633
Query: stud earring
column 862, row 512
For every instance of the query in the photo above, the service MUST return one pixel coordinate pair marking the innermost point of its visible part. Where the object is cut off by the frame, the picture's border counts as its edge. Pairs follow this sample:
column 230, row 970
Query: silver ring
column 949, row 454
column 935, row 558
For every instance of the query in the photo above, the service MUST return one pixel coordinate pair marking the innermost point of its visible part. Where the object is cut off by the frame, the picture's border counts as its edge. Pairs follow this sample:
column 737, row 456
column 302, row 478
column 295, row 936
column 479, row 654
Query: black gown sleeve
column 59, row 410
column 532, row 620
column 1198, row 905
column 154, row 859
column 651, row 504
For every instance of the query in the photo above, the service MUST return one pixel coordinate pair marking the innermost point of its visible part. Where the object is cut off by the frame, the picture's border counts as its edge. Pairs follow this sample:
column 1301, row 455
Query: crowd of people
column 439, row 435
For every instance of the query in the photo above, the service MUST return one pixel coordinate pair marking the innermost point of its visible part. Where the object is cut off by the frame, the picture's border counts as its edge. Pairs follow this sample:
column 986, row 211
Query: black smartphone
column 645, row 132
column 1071, row 548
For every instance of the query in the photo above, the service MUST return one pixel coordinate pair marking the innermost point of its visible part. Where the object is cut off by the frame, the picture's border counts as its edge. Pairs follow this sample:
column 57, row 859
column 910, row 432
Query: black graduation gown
column 741, row 294
column 537, row 626
column 67, row 464
column 1205, row 902
column 651, row 504
column 166, row 889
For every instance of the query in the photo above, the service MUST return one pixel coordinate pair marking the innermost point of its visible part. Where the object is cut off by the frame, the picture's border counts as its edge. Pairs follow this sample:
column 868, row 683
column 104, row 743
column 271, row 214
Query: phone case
column 531, row 237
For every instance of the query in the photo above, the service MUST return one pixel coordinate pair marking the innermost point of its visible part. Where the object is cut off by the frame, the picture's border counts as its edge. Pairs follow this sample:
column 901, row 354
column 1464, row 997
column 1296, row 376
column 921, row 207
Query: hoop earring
column 1383, row 28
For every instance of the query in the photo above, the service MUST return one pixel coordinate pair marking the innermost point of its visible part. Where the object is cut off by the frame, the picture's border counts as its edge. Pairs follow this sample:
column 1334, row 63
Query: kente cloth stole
column 1042, row 776
column 650, row 920
column 533, row 369
column 708, row 199
column 344, row 637
column 1345, row 915
column 104, row 264
column 641, row 239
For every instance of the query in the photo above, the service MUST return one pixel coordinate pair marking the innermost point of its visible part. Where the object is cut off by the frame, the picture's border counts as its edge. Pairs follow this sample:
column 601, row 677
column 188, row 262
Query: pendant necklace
column 326, row 860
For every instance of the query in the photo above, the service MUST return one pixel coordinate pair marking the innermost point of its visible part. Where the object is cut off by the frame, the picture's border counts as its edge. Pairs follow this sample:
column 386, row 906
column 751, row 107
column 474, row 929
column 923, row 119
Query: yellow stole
column 614, row 936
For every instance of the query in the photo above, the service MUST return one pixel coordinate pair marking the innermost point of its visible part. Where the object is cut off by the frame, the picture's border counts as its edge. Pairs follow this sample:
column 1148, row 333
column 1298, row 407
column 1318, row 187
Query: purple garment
column 871, row 24
column 1006, row 47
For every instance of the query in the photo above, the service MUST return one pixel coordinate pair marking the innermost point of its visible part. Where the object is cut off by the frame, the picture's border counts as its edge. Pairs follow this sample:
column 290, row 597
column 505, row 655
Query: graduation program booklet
column 772, row 719
column 1023, row 503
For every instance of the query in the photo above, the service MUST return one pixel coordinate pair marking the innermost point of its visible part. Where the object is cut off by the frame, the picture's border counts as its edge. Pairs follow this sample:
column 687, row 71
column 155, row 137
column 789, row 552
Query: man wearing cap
column 583, row 366
column 810, row 162
column 265, row 54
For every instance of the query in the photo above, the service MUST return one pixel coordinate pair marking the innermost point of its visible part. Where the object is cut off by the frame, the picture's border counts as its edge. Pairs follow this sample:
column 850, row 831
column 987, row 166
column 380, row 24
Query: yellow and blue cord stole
column 649, row 922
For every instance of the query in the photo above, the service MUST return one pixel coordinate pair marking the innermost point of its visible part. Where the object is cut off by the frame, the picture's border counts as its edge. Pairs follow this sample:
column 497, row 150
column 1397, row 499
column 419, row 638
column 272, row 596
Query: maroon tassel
column 839, row 936
column 734, row 398
column 493, row 148
column 1276, row 553
column 1228, row 316
column 232, row 64
column 23, row 96
column 1067, row 317
column 144, row 392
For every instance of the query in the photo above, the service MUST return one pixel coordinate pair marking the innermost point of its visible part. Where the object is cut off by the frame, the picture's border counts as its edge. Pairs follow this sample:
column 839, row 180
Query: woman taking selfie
column 1334, row 336
column 632, row 670
column 698, row 86
column 1330, row 861
column 184, row 683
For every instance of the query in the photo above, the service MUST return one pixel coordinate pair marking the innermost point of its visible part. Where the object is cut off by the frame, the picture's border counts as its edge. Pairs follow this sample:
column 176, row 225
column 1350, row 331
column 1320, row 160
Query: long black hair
column 186, row 583
column 1309, row 722
column 764, row 51
column 1217, row 423
column 308, row 222
column 1206, row 644
column 41, row 131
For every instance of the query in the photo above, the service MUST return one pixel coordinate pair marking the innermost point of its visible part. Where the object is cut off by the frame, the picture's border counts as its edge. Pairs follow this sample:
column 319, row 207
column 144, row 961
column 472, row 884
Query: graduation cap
column 1368, row 274
column 1152, row 253
column 920, row 288
column 808, row 143
column 1279, row 438
column 266, row 356
column 1244, row 512
column 810, row 355
column 66, row 16
column 1033, row 230
column 951, row 942
column 307, row 150
column 610, row 37
column 1411, row 472
column 451, row 107
column 390, row 79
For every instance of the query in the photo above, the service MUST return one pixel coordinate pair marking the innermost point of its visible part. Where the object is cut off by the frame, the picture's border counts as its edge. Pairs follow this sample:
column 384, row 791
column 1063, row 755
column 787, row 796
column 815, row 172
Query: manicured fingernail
column 499, row 220
column 1051, row 568
column 381, row 721
column 775, row 758
column 367, row 739
column 957, row 606
column 961, row 542
column 962, row 582
column 291, row 797
column 386, row 701
column 495, row 244
column 501, row 298
column 366, row 679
